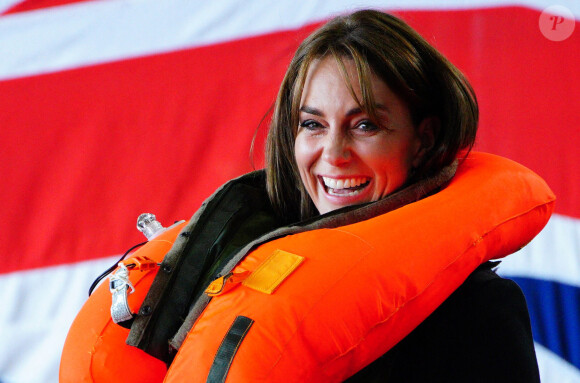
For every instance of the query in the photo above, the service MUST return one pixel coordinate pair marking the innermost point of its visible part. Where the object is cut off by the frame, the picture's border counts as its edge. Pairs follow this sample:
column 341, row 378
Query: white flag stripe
column 80, row 34
column 555, row 369
column 553, row 255
column 38, row 307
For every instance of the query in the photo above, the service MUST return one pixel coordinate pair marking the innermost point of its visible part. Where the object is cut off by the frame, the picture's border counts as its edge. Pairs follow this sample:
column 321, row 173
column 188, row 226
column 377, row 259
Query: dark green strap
column 228, row 348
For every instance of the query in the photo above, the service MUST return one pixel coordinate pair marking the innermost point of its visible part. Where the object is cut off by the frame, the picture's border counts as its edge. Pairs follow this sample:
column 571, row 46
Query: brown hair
column 382, row 44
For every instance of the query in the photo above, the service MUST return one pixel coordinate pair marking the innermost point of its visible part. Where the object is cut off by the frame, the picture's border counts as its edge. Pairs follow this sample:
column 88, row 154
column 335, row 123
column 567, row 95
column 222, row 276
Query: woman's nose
column 336, row 149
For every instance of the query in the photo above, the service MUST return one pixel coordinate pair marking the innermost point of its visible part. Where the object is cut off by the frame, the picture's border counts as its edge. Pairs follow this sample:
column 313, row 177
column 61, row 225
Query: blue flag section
column 555, row 315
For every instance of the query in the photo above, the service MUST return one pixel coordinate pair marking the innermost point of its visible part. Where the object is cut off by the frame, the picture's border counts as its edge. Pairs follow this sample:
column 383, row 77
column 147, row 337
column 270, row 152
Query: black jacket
column 481, row 333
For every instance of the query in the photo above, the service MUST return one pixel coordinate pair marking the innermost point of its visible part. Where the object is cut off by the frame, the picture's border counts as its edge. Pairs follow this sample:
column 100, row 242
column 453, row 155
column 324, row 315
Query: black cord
column 110, row 269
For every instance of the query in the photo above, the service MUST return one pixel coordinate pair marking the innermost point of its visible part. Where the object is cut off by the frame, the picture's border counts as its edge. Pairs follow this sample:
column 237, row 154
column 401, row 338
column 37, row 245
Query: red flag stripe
column 92, row 148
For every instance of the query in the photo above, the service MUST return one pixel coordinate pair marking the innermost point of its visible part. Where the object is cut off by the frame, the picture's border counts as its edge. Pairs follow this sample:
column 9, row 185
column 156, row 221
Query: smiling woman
column 344, row 157
column 361, row 252
column 380, row 71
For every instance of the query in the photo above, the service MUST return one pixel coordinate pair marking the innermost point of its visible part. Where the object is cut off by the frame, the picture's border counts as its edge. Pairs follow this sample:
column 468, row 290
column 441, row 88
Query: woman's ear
column 427, row 130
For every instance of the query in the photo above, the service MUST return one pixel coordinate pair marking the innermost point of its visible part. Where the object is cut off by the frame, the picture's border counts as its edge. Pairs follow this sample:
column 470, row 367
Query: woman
column 369, row 119
column 399, row 111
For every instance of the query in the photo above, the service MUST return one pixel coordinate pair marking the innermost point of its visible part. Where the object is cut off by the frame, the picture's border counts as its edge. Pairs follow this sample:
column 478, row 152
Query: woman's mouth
column 345, row 187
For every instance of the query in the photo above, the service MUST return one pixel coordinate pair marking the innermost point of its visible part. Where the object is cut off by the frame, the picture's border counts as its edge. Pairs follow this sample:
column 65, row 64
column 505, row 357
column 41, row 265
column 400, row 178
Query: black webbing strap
column 228, row 348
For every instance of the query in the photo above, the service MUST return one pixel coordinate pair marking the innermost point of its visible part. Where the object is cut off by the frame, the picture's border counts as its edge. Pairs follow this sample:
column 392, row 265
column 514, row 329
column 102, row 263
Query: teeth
column 342, row 193
column 335, row 184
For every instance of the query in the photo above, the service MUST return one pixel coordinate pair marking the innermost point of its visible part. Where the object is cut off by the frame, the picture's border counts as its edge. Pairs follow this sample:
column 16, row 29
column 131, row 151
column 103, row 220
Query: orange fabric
column 95, row 349
column 360, row 289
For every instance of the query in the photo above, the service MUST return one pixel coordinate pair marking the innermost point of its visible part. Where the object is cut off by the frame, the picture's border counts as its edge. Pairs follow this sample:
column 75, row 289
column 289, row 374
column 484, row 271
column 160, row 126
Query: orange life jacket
column 320, row 305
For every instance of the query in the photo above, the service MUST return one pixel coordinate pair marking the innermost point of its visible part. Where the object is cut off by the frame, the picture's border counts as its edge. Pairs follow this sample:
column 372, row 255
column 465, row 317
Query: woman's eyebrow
column 358, row 110
column 351, row 112
column 310, row 110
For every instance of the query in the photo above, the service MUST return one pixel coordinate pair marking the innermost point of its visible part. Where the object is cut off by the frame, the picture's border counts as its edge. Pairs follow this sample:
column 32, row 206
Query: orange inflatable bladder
column 95, row 349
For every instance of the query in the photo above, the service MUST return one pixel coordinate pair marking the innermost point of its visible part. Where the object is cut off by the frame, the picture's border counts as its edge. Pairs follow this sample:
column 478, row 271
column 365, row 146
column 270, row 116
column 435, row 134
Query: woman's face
column 343, row 157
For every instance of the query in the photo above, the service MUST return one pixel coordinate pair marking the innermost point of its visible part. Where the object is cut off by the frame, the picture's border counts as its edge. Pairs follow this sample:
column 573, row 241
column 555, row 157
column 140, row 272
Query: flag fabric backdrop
column 109, row 109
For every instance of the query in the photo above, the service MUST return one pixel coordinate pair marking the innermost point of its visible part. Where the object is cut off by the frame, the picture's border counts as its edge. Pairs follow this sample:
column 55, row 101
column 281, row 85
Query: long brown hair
column 385, row 45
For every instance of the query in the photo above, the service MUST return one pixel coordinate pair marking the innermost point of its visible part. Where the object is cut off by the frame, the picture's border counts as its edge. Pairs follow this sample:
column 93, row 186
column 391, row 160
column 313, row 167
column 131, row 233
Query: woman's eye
column 366, row 126
column 310, row 125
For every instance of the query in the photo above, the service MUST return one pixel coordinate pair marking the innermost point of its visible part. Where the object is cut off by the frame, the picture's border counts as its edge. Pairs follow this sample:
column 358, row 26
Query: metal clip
column 119, row 285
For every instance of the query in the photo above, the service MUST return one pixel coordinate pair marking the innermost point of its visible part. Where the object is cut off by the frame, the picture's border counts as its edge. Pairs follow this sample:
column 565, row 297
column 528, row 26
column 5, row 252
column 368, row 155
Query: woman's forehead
column 344, row 69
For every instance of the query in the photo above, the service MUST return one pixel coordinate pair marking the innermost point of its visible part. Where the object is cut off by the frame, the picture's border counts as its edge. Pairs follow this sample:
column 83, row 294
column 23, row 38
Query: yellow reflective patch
column 273, row 271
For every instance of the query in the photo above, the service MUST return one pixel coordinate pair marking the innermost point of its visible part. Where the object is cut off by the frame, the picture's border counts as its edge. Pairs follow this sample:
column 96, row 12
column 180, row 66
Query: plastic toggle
column 140, row 262
column 224, row 284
